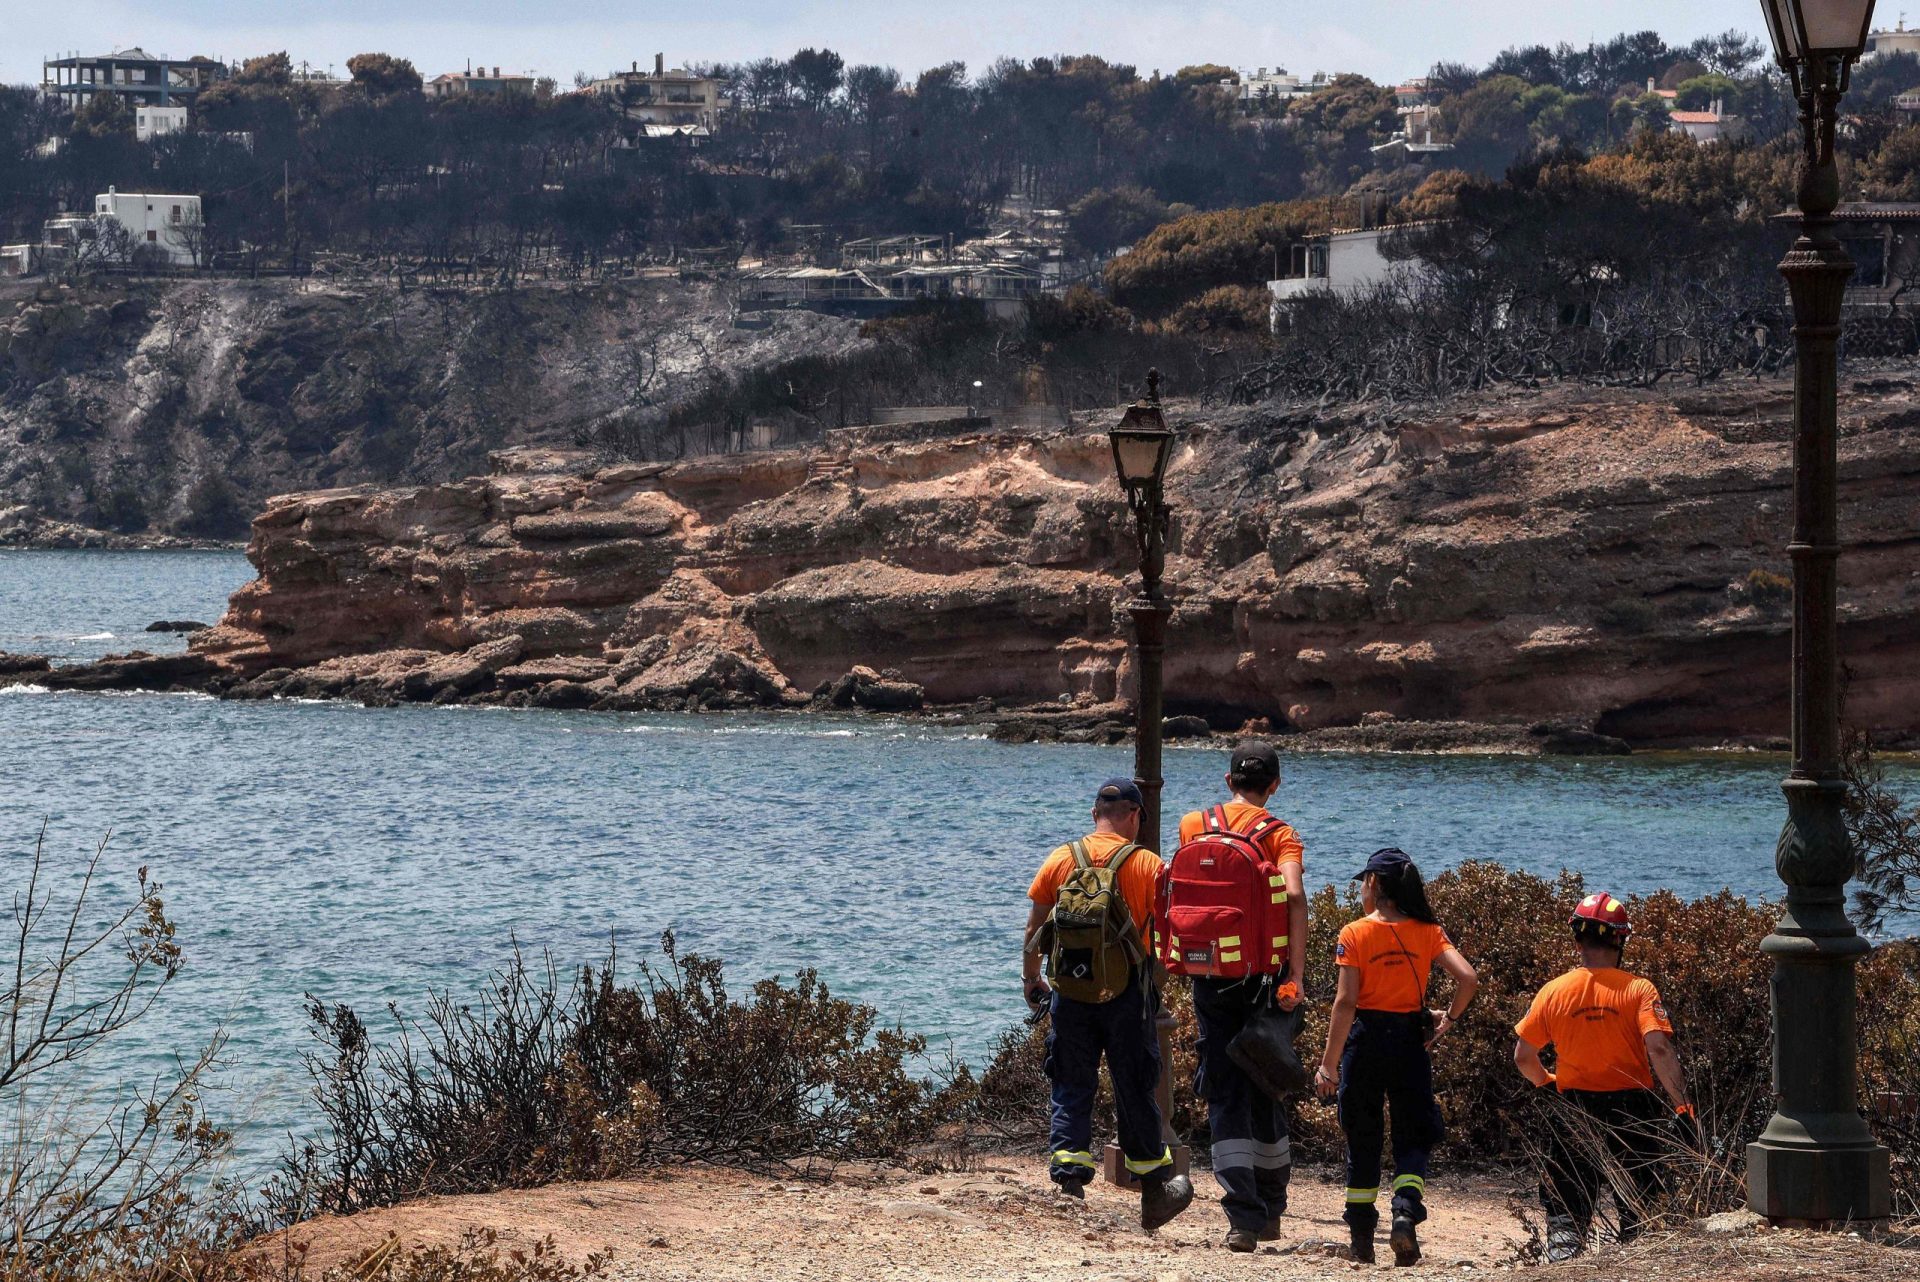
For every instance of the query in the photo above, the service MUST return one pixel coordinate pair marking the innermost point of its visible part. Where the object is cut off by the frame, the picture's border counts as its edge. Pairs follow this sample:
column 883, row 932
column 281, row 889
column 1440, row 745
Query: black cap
column 1387, row 863
column 1255, row 761
column 1121, row 790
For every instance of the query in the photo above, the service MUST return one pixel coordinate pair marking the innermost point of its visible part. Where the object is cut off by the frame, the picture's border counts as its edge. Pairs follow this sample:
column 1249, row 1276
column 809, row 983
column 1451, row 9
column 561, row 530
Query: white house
column 1337, row 263
column 153, row 122
column 1277, row 85
column 172, row 224
column 1898, row 40
column 1711, row 125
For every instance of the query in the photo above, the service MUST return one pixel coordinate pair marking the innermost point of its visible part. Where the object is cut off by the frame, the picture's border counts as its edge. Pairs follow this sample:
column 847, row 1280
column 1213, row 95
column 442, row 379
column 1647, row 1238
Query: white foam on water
column 90, row 636
column 28, row 688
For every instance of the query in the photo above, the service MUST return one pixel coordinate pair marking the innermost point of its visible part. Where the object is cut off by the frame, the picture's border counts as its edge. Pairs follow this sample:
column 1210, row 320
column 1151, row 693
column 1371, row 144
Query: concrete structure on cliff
column 140, row 77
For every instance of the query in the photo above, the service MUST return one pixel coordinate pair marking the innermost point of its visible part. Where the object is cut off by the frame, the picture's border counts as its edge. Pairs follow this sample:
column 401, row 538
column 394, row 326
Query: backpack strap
column 1131, row 939
column 1078, row 849
column 1217, row 820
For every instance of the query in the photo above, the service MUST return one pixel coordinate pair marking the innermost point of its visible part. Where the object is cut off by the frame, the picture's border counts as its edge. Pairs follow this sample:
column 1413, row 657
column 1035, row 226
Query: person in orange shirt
column 1379, row 1040
column 1252, row 1154
column 1611, row 1039
column 1121, row 1029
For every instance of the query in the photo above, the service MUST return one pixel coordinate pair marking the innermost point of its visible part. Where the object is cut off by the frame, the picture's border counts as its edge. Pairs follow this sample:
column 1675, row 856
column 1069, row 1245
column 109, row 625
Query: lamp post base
column 1798, row 1186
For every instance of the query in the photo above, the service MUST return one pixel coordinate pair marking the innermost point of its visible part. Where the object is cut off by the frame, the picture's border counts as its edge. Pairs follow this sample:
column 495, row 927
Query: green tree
column 380, row 75
column 818, row 74
column 1105, row 219
column 1490, row 124
column 266, row 69
column 103, row 115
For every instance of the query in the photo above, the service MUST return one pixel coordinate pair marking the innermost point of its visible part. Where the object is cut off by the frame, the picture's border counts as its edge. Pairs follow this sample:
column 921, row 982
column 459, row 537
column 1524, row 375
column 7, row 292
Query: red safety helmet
column 1601, row 919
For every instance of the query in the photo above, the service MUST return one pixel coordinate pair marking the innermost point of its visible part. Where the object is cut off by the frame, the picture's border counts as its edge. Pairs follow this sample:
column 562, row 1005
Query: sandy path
column 998, row 1221
column 1001, row 1221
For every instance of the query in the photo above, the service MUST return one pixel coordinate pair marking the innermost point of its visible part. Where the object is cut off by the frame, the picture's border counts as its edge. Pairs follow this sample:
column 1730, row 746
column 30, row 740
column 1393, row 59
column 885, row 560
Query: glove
column 1687, row 1131
column 1287, row 996
column 1038, row 993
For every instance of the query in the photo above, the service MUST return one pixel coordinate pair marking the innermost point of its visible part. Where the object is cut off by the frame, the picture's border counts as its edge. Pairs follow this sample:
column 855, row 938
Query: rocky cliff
column 143, row 408
column 1608, row 560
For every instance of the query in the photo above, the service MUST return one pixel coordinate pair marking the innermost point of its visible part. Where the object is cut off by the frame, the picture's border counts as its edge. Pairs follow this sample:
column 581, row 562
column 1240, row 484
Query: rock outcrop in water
column 1591, row 565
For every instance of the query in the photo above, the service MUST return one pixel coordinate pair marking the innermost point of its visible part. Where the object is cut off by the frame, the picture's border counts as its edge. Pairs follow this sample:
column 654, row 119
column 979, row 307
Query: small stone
column 1740, row 1221
column 658, row 1242
column 929, row 1188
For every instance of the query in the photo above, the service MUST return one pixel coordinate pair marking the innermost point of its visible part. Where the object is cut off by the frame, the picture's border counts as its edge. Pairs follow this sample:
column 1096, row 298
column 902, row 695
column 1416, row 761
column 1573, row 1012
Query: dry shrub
column 1890, row 1061
column 536, row 1082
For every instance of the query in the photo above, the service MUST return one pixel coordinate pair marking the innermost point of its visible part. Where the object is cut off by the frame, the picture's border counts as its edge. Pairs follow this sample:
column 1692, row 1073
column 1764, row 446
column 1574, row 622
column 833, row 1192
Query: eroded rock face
column 1607, row 564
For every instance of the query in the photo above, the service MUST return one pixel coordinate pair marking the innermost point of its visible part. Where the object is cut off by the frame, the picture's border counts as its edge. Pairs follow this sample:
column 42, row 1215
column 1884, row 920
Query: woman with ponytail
column 1379, row 1041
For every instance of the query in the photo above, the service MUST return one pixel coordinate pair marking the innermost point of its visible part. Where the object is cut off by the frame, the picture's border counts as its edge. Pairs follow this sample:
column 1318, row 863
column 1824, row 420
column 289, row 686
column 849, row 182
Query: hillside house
column 169, row 224
column 1899, row 40
column 1711, row 125
column 1334, row 264
column 1277, row 86
column 479, row 83
column 675, row 99
column 136, row 75
column 150, row 122
column 1883, row 239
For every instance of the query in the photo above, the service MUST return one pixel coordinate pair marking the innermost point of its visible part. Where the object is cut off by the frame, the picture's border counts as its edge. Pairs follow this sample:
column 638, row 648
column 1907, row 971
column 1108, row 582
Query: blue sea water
column 362, row 855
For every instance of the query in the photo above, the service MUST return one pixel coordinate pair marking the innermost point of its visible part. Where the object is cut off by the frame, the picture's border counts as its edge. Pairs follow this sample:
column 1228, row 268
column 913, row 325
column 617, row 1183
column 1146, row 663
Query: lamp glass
column 1784, row 29
column 1837, row 26
column 1832, row 26
column 1141, row 455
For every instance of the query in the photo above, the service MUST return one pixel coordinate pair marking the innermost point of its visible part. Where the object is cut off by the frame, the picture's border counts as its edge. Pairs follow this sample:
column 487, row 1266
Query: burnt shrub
column 539, row 1080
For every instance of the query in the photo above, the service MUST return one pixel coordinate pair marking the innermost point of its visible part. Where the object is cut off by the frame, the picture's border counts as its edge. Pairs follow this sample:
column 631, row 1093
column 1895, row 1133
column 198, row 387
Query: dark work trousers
column 1615, row 1139
column 1123, row 1031
column 1252, row 1155
column 1384, row 1067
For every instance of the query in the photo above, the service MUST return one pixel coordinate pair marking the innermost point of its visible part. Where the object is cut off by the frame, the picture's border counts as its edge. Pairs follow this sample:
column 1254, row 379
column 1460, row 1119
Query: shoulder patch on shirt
column 1660, row 1009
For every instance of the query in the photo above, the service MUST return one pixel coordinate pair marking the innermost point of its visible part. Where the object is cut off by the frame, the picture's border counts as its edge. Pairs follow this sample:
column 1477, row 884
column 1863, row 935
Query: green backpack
column 1090, row 940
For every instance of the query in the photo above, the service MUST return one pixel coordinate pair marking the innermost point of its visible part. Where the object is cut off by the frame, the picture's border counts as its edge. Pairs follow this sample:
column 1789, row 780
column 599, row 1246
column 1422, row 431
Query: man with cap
column 1121, row 1029
column 1612, row 1041
column 1252, row 1153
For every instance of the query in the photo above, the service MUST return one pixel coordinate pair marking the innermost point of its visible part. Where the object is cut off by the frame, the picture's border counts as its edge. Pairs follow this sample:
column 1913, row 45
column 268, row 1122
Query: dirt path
column 1001, row 1221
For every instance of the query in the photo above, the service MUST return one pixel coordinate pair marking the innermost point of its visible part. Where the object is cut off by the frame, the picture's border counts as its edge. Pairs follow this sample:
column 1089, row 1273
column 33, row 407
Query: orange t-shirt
column 1394, row 960
column 1139, row 879
column 1597, row 1021
column 1281, row 842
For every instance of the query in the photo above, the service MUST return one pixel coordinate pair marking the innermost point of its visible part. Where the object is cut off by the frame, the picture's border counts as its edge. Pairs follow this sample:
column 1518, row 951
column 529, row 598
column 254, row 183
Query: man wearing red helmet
column 1612, row 1040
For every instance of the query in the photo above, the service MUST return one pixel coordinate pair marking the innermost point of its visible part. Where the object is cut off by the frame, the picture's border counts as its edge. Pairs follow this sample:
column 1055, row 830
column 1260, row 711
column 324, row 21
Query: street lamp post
column 1816, row 1162
column 1142, row 447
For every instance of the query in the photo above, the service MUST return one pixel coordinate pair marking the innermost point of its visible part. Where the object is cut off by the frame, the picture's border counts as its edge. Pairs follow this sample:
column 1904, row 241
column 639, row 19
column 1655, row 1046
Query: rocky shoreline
column 1568, row 571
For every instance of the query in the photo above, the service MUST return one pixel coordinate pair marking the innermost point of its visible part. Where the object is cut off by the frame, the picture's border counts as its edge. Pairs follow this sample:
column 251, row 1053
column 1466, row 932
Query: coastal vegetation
column 552, row 1074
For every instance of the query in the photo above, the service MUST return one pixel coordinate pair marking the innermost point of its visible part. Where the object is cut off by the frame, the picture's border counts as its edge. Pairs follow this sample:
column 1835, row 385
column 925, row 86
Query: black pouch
column 1263, row 1050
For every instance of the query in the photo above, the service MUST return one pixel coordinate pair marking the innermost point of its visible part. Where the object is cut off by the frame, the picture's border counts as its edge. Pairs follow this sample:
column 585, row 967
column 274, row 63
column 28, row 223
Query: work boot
column 1161, row 1200
column 1404, row 1240
column 1565, row 1240
column 1270, row 1231
column 1359, row 1245
column 1074, row 1190
column 1242, row 1241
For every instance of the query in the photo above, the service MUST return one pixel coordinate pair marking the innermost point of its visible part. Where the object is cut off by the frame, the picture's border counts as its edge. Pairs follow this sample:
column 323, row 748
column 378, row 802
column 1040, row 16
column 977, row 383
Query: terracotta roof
column 1693, row 117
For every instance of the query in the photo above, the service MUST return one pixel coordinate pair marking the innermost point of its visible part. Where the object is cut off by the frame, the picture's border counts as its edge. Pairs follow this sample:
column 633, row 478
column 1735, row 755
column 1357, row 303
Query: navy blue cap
column 1121, row 790
column 1387, row 863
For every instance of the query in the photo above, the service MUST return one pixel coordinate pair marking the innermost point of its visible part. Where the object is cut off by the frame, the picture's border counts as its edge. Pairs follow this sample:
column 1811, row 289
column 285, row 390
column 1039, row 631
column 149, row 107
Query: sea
column 368, row 855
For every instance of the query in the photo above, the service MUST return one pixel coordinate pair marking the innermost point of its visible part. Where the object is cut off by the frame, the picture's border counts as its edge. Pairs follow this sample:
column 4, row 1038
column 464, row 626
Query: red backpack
column 1224, row 903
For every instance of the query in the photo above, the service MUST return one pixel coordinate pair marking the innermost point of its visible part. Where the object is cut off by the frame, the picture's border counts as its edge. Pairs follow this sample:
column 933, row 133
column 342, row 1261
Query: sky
column 1387, row 40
